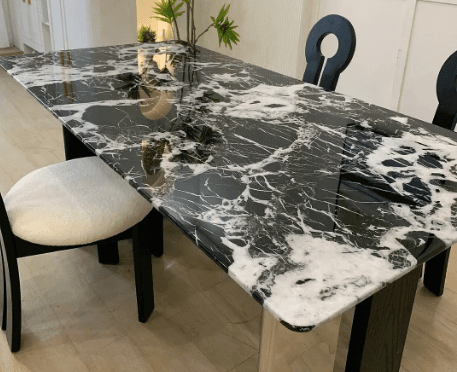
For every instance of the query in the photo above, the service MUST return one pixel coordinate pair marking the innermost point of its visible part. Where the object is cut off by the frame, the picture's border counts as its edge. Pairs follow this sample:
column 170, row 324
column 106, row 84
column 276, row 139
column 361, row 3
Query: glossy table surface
column 311, row 200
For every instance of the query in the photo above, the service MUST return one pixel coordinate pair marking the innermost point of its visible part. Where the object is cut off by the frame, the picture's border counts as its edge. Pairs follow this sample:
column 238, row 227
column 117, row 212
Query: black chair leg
column 435, row 272
column 108, row 253
column 143, row 270
column 2, row 293
column 13, row 303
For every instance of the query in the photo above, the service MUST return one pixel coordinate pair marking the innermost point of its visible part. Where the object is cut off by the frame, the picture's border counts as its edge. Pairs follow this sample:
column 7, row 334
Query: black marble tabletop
column 312, row 201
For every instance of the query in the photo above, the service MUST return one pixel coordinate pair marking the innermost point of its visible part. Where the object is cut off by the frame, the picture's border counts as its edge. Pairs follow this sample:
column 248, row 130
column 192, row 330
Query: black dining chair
column 345, row 33
column 69, row 205
column 445, row 117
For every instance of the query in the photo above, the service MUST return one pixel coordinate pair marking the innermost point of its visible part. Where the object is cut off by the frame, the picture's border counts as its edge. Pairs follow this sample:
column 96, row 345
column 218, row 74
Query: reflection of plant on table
column 146, row 35
column 167, row 11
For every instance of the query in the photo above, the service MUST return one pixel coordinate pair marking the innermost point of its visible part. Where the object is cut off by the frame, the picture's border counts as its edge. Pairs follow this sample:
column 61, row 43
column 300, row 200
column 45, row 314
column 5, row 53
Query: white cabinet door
column 25, row 24
column 29, row 25
column 35, row 22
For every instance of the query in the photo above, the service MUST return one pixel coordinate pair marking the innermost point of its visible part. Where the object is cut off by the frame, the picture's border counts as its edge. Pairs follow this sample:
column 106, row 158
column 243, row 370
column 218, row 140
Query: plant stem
column 193, row 23
column 211, row 25
column 188, row 22
column 174, row 19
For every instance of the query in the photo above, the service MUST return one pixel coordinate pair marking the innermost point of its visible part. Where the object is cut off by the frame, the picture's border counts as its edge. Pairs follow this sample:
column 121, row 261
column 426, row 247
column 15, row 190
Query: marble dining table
column 316, row 203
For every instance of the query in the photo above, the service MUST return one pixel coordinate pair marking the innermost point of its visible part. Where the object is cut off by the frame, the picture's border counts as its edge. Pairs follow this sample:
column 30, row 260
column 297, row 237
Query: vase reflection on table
column 179, row 135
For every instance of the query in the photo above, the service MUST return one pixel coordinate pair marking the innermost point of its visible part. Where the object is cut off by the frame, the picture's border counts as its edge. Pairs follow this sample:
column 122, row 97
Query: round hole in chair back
column 329, row 46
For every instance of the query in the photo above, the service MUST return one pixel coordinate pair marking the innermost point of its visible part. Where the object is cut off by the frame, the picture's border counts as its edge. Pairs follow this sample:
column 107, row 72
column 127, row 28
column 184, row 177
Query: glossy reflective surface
column 311, row 200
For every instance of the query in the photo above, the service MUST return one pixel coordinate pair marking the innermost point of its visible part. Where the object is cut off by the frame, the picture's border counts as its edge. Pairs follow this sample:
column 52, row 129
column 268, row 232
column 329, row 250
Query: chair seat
column 85, row 194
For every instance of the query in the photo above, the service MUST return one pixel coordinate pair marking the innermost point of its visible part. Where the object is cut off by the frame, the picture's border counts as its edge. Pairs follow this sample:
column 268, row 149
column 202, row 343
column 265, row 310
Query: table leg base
column 267, row 342
column 435, row 273
column 379, row 327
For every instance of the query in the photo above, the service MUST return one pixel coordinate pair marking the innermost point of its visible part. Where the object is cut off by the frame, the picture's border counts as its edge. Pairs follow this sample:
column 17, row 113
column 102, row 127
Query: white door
column 24, row 22
column 4, row 42
column 35, row 22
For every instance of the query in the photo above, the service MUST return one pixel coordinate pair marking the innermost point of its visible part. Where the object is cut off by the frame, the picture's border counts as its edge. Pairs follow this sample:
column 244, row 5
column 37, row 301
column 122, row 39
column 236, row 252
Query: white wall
column 112, row 22
column 269, row 31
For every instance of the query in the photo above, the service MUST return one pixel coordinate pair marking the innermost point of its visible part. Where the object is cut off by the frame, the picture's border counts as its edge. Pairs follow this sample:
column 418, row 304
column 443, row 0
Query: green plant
column 224, row 28
column 167, row 11
column 146, row 35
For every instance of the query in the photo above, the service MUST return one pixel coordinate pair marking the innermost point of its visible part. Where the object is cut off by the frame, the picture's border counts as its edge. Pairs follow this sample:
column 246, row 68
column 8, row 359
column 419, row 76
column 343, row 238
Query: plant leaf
column 165, row 10
column 176, row 8
column 162, row 19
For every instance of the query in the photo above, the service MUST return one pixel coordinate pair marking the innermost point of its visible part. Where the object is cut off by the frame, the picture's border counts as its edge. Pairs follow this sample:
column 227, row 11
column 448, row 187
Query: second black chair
column 345, row 33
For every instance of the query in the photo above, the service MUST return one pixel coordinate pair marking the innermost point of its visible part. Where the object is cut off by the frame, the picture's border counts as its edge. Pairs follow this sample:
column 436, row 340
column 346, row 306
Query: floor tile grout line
column 243, row 362
column 257, row 349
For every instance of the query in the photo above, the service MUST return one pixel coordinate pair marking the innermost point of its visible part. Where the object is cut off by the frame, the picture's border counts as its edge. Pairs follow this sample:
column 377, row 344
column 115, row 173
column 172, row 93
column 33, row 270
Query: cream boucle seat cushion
column 75, row 202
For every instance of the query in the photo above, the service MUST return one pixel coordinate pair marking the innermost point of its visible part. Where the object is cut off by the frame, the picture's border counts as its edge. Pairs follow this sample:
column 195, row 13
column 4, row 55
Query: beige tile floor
column 79, row 315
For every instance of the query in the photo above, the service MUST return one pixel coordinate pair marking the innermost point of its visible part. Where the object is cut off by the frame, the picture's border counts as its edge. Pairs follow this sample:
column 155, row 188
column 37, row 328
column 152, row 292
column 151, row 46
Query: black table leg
column 379, row 328
column 435, row 272
column 143, row 269
column 154, row 221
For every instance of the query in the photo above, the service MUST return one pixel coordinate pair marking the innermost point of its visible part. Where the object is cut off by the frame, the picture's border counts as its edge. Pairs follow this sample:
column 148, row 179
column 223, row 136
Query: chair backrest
column 345, row 33
column 446, row 91
column 6, row 233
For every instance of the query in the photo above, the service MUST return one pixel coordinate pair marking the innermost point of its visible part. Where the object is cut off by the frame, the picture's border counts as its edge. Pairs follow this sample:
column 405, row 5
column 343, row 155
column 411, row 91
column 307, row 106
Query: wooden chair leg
column 12, row 289
column 2, row 293
column 108, row 253
column 143, row 270
column 435, row 272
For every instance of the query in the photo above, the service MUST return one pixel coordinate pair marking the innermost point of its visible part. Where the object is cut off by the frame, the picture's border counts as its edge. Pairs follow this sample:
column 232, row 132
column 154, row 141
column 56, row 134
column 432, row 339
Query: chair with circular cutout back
column 345, row 33
column 445, row 117
column 69, row 205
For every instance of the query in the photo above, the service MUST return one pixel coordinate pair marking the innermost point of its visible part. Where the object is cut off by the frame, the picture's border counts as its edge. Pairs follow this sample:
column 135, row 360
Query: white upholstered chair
column 68, row 205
